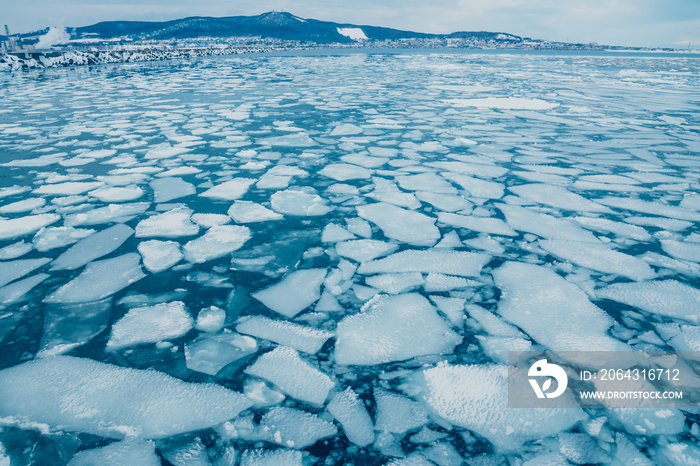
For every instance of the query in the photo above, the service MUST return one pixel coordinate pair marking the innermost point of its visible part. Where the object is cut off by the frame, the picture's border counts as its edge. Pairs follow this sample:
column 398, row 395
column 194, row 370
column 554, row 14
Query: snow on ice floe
column 506, row 103
column 251, row 212
column 334, row 233
column 100, row 279
column 171, row 224
column 294, row 428
column 25, row 205
column 653, row 208
column 544, row 225
column 400, row 224
column 168, row 188
column 210, row 220
column 211, row 353
column 349, row 410
column 346, row 129
column 18, row 227
column 211, row 319
column 681, row 250
column 297, row 378
column 460, row 263
column 393, row 328
column 387, row 191
column 165, row 152
column 12, row 270
column 445, row 202
column 475, row 397
column 303, row 203
column 557, row 196
column 396, row 283
column 363, row 250
column 279, row 457
column 668, row 298
column 490, row 225
column 131, row 451
column 229, row 190
column 599, row 257
column 82, row 395
column 536, row 299
column 107, row 214
column 218, row 241
column 117, row 194
column 345, row 171
column 159, row 255
column 398, row 414
column 150, row 324
column 306, row 339
column 477, row 187
column 67, row 189
column 294, row 293
column 93, row 247
column 426, row 182
column 610, row 226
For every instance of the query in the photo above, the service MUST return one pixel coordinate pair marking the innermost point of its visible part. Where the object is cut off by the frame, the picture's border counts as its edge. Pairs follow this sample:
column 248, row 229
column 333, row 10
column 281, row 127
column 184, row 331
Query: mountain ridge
column 271, row 25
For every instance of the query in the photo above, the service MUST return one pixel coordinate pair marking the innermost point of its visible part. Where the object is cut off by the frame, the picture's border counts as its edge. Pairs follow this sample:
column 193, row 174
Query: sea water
column 324, row 257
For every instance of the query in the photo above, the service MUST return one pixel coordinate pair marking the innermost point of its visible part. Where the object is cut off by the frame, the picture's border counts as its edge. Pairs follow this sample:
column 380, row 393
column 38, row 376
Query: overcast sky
column 655, row 23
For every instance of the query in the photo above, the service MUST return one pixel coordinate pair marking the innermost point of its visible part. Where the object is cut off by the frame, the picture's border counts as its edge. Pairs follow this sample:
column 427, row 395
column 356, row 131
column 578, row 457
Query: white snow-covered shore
column 33, row 60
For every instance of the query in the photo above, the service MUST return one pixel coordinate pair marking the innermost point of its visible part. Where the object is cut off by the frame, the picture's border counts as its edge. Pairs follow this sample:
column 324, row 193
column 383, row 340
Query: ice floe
column 297, row 378
column 299, row 202
column 536, row 299
column 400, row 224
column 93, row 247
column 363, row 250
column 669, row 298
column 218, row 241
column 475, row 397
column 159, row 255
column 100, row 279
column 299, row 337
column 169, row 188
column 132, row 451
column 107, row 214
column 393, row 329
column 460, row 263
column 171, row 224
column 352, row 414
column 82, row 395
column 250, row 212
column 294, row 428
column 117, row 194
column 512, row 103
column 229, row 190
column 211, row 353
column 12, row 270
column 294, row 293
column 18, row 227
column 599, row 257
column 150, row 324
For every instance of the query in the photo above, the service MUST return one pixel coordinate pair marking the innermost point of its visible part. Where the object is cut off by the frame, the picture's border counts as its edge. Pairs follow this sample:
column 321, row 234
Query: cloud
column 55, row 36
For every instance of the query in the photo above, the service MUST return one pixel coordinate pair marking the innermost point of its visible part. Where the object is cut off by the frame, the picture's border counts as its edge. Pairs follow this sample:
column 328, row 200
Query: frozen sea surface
column 324, row 258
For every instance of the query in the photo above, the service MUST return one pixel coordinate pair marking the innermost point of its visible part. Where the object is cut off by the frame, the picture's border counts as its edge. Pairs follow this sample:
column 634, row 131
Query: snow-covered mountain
column 274, row 24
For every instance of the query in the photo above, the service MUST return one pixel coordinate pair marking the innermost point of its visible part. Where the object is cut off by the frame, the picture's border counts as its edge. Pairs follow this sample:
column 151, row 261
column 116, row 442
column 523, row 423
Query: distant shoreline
column 32, row 60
